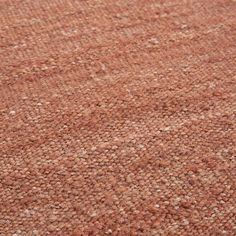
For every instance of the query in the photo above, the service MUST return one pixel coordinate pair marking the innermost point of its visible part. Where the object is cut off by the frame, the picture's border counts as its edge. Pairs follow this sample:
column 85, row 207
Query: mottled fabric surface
column 117, row 117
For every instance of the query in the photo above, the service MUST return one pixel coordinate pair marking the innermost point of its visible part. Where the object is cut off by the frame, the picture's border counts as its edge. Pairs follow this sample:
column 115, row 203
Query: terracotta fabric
column 117, row 117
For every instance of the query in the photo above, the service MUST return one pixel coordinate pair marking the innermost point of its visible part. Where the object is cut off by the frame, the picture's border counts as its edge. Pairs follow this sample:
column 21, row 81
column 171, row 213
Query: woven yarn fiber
column 117, row 117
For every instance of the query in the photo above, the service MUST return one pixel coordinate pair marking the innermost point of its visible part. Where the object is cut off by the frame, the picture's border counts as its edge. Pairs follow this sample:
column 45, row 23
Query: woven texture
column 117, row 117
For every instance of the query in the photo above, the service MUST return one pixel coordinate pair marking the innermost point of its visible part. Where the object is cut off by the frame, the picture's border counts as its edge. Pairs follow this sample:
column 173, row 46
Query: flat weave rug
column 117, row 117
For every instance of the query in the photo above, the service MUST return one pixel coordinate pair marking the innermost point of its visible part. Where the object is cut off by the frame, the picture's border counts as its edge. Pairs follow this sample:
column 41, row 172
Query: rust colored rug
column 117, row 117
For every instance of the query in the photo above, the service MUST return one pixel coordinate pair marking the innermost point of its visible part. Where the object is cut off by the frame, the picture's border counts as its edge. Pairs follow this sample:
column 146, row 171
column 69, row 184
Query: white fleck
column 185, row 222
column 93, row 214
column 12, row 112
column 153, row 41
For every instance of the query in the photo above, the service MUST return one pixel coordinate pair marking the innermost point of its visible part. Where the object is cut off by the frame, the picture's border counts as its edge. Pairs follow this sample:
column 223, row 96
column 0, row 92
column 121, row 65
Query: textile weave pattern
column 117, row 117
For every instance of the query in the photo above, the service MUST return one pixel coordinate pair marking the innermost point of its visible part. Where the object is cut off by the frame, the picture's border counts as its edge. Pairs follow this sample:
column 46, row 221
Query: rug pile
column 117, row 117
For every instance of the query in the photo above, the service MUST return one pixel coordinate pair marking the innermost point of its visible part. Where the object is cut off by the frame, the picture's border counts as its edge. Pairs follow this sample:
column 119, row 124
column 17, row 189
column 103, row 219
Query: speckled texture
column 117, row 117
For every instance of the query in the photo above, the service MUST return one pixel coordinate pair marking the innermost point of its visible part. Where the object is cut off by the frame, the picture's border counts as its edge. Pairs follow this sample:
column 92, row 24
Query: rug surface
column 117, row 117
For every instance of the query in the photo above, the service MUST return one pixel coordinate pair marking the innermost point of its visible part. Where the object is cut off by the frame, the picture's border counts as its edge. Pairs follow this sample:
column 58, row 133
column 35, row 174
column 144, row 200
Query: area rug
column 117, row 117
